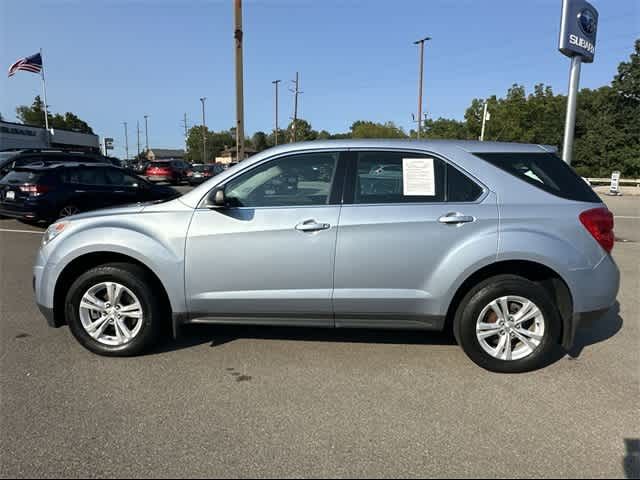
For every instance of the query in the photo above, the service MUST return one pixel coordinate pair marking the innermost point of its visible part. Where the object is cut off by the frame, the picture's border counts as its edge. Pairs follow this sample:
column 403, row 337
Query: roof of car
column 473, row 146
column 50, row 166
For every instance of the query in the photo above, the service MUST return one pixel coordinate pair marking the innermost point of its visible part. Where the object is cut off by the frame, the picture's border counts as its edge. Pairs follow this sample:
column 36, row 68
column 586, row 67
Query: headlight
column 53, row 231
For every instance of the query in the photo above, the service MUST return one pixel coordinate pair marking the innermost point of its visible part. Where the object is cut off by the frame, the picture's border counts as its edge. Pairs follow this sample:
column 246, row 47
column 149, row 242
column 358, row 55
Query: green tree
column 303, row 131
column 34, row 115
column 260, row 141
column 444, row 128
column 216, row 143
column 366, row 129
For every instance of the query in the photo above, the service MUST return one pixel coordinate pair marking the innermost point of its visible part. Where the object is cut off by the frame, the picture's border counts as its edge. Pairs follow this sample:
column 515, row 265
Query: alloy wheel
column 510, row 328
column 111, row 313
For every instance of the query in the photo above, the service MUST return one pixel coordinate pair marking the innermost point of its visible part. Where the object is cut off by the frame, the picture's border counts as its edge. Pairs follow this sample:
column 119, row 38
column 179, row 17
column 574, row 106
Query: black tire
column 141, row 284
column 480, row 296
column 69, row 207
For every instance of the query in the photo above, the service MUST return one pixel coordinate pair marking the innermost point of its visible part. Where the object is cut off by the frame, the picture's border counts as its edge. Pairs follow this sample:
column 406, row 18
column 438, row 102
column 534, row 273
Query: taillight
column 34, row 190
column 599, row 223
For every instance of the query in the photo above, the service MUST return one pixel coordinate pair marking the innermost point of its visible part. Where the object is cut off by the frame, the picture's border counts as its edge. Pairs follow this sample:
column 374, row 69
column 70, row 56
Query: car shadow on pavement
column 217, row 335
column 597, row 331
column 594, row 332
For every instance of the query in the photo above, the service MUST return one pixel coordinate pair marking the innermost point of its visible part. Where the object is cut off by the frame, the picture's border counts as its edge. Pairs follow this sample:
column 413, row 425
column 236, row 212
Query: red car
column 172, row 171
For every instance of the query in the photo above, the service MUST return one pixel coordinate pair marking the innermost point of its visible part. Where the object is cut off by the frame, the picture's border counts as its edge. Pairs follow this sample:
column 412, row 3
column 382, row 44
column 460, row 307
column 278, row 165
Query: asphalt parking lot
column 282, row 402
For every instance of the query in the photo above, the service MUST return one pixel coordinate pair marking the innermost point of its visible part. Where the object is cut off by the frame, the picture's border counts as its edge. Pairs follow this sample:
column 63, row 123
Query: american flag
column 31, row 64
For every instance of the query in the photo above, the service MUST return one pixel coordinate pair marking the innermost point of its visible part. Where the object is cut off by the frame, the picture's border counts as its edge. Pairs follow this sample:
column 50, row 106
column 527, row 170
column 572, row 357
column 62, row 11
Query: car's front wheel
column 508, row 324
column 112, row 310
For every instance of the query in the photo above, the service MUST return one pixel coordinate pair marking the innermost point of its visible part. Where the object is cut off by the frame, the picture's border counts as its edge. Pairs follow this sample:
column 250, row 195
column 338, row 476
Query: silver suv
column 501, row 243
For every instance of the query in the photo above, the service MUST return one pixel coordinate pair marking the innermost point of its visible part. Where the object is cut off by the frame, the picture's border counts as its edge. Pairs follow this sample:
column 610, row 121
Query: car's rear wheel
column 111, row 310
column 508, row 324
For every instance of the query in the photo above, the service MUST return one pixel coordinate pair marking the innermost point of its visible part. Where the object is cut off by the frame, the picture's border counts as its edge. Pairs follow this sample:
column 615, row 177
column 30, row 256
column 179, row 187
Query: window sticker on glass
column 418, row 178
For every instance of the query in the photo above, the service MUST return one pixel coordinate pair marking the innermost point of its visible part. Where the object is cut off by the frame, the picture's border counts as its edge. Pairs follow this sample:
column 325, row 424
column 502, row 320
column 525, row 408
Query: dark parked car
column 48, row 192
column 20, row 158
column 200, row 173
column 172, row 171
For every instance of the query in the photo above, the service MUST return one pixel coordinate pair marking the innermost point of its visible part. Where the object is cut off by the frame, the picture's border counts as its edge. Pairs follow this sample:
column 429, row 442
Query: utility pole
column 238, row 36
column 204, row 134
column 421, row 43
column 146, row 132
column 138, row 132
column 275, row 83
column 126, row 142
column 485, row 114
column 296, row 91
column 186, row 132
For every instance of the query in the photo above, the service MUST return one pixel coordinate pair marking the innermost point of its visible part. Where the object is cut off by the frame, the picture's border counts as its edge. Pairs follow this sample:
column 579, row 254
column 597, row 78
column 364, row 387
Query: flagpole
column 44, row 94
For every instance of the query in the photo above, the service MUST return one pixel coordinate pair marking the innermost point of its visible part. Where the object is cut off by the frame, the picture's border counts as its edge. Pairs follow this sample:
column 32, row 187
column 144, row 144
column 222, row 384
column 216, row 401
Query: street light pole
column 204, row 134
column 275, row 83
column 146, row 132
column 421, row 43
column 138, row 132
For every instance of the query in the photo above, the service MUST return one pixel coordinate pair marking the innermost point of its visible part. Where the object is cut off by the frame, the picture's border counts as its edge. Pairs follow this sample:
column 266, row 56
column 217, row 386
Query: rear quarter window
column 545, row 171
column 22, row 176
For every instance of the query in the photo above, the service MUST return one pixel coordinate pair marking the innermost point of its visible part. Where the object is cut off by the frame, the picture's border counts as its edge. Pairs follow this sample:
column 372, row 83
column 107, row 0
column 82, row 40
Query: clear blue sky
column 113, row 61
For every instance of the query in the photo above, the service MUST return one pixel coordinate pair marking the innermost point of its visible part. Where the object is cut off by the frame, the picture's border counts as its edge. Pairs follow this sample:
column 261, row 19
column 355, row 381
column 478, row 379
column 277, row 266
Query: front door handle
column 455, row 218
column 312, row 226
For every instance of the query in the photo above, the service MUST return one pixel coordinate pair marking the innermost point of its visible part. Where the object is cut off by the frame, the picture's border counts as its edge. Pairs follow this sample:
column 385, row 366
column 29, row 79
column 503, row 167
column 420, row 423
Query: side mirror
column 218, row 200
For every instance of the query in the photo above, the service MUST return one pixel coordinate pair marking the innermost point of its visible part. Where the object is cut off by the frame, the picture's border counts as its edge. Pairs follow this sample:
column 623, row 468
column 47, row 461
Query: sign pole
column 578, row 30
column 570, row 121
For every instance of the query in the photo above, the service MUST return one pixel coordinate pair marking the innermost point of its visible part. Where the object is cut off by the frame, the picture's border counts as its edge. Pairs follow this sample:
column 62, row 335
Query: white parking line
column 625, row 216
column 20, row 231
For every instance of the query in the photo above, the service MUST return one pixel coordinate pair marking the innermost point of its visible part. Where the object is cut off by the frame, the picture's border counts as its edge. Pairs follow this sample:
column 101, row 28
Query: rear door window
column 380, row 178
column 120, row 178
column 85, row 176
column 545, row 171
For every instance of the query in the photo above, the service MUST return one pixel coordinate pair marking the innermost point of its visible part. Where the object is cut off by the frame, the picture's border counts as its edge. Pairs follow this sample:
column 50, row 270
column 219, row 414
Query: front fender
column 143, row 237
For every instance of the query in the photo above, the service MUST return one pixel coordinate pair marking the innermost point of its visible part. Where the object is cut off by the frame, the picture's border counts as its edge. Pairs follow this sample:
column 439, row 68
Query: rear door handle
column 455, row 218
column 312, row 226
column 81, row 191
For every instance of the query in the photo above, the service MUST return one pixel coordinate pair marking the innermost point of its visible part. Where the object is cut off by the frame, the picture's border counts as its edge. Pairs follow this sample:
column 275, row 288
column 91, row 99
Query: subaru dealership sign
column 578, row 29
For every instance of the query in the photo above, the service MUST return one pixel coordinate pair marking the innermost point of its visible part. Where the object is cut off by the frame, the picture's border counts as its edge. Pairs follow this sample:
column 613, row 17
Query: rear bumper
column 160, row 178
column 20, row 213
column 594, row 293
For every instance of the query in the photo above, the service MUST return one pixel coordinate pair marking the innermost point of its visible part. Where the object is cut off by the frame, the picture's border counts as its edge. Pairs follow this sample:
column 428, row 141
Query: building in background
column 17, row 136
column 228, row 155
column 164, row 154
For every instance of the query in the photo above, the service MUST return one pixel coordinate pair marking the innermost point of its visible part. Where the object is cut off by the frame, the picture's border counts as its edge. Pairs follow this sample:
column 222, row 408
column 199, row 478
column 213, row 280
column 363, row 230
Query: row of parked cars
column 44, row 185
column 177, row 171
